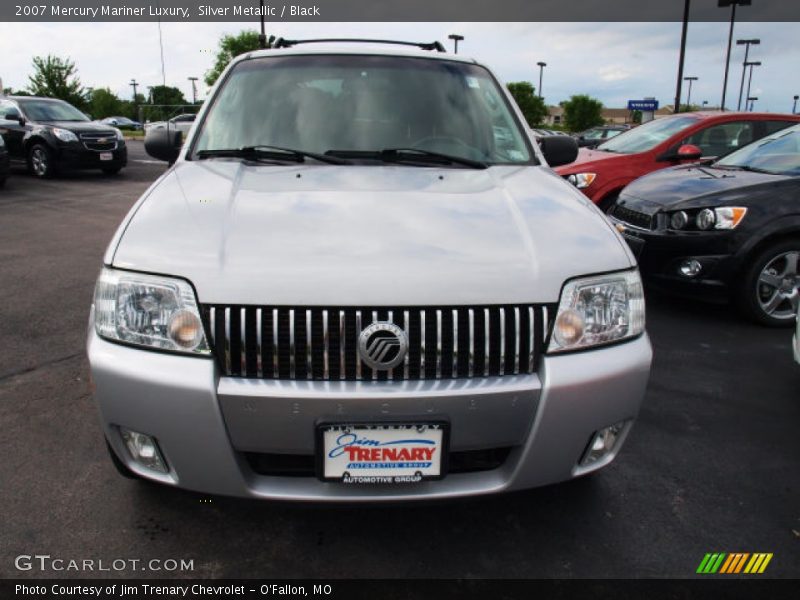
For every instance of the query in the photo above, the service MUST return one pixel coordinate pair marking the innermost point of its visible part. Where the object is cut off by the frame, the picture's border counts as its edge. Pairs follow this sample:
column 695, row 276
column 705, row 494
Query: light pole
column 794, row 106
column 456, row 38
column 150, row 94
column 746, row 44
column 733, row 4
column 682, row 56
column 542, row 65
column 194, row 89
column 689, row 97
column 752, row 101
column 751, row 64
column 262, row 37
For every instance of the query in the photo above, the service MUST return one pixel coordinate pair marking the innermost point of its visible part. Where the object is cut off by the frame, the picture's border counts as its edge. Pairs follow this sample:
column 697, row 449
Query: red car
column 686, row 137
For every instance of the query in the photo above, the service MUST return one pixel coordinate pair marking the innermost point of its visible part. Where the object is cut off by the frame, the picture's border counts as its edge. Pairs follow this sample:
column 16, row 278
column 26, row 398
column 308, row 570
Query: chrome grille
column 314, row 343
column 91, row 141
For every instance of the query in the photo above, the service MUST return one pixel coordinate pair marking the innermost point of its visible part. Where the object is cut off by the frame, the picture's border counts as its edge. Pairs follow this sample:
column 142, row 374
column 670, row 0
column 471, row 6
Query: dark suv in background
column 49, row 135
column 3, row 163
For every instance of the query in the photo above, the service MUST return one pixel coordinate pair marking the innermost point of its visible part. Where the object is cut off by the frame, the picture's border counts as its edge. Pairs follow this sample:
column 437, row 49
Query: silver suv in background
column 361, row 281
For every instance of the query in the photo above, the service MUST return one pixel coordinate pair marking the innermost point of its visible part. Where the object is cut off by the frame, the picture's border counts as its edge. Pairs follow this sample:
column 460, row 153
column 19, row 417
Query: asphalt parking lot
column 712, row 465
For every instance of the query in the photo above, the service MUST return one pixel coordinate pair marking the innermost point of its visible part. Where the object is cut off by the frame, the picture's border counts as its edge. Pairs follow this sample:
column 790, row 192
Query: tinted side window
column 773, row 126
column 719, row 140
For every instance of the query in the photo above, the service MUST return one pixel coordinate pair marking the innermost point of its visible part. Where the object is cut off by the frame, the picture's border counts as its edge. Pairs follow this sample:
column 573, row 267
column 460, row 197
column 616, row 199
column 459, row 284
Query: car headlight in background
column 582, row 180
column 598, row 310
column 724, row 217
column 65, row 135
column 148, row 310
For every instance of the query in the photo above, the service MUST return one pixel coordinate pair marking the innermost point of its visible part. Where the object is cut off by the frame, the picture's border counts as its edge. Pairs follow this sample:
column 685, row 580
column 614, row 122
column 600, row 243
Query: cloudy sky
column 611, row 61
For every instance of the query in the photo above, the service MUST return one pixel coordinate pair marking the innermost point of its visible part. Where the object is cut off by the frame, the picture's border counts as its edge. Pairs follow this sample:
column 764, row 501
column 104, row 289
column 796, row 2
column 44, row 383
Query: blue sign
column 643, row 105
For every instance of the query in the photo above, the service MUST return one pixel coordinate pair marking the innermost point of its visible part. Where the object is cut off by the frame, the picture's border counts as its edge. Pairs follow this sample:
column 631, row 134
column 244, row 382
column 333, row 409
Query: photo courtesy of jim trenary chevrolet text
column 420, row 299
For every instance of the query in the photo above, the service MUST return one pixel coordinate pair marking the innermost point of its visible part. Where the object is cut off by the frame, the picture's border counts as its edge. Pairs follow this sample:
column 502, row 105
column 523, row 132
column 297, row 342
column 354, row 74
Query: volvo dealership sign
column 643, row 105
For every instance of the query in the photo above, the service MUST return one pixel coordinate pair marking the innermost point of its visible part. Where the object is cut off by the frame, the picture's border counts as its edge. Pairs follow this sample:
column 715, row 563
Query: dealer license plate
column 384, row 453
column 106, row 156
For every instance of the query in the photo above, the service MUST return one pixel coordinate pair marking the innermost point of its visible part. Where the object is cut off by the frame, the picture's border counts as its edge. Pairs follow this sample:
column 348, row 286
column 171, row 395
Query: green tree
column 56, row 77
column 165, row 94
column 231, row 46
column 582, row 112
column 105, row 103
column 529, row 103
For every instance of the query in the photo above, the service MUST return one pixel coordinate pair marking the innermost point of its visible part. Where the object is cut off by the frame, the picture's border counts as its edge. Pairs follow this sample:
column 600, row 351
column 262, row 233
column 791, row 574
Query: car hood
column 80, row 126
column 588, row 158
column 370, row 235
column 692, row 186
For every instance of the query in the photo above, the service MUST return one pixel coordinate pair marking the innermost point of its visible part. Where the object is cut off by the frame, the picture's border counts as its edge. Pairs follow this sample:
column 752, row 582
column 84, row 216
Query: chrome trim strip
column 292, row 372
column 325, row 346
column 358, row 332
column 309, row 364
column 530, row 341
column 438, row 344
column 243, row 342
column 502, row 341
column 212, row 323
column 228, row 340
column 275, row 372
column 486, row 342
column 455, row 343
column 518, row 334
column 374, row 372
column 471, row 341
column 406, row 328
column 342, row 370
column 259, row 366
column 422, row 344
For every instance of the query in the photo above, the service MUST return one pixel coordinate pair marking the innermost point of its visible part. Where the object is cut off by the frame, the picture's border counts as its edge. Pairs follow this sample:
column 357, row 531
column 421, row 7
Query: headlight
column 582, row 180
column 705, row 219
column 64, row 135
column 119, row 134
column 728, row 217
column 147, row 310
column 598, row 310
column 678, row 220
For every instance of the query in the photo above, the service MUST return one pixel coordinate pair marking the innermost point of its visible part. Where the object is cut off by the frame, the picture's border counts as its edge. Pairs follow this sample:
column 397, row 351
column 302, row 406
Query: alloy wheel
column 778, row 286
column 39, row 162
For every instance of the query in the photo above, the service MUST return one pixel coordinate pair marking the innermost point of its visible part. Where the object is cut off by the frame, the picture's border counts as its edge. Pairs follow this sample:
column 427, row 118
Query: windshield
column 50, row 110
column 778, row 153
column 344, row 103
column 647, row 136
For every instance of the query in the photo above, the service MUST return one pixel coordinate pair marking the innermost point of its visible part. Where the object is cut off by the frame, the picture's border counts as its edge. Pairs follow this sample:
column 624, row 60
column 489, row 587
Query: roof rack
column 283, row 43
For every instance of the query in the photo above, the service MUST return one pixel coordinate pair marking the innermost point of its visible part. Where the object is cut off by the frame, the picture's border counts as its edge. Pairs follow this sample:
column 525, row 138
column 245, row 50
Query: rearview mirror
column 163, row 144
column 558, row 149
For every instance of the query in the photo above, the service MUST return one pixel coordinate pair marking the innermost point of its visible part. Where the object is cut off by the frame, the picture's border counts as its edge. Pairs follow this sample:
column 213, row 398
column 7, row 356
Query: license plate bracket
column 382, row 452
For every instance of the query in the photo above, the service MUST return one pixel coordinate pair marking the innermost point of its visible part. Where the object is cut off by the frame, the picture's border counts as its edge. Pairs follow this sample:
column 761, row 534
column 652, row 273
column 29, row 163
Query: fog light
column 144, row 450
column 603, row 442
column 690, row 267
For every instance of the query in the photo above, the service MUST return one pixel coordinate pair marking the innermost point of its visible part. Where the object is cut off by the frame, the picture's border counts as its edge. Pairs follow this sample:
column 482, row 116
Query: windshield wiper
column 262, row 152
column 747, row 168
column 410, row 155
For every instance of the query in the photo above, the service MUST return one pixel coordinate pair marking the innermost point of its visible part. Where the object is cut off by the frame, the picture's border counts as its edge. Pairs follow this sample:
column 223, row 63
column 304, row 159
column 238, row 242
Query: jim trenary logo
column 734, row 562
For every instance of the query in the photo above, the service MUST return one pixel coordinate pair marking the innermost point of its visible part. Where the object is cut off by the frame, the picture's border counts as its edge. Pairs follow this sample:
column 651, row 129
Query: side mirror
column 558, row 149
column 14, row 115
column 163, row 144
column 689, row 152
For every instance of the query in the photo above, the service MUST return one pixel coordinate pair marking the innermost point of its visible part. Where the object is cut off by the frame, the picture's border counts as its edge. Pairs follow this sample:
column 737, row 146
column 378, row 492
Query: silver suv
column 362, row 281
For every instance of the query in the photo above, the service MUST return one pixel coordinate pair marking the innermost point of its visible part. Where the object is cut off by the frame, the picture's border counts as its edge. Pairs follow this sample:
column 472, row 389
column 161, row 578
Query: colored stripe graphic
column 733, row 563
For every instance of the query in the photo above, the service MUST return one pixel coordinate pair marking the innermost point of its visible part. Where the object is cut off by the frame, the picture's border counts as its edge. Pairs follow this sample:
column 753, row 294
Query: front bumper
column 74, row 155
column 661, row 253
column 205, row 423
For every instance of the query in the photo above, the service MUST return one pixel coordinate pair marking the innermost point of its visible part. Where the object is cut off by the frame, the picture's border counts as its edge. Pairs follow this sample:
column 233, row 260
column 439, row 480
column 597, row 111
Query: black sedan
column 4, row 163
column 725, row 231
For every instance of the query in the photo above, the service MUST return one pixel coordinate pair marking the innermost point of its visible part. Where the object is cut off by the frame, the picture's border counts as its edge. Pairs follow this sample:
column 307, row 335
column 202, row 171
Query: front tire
column 770, row 290
column 40, row 161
